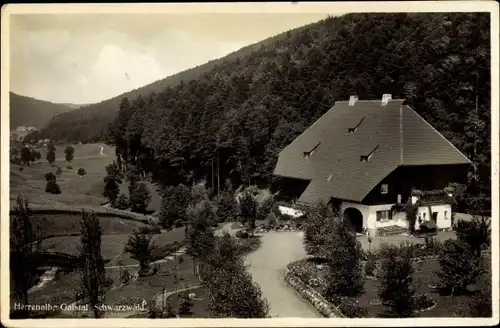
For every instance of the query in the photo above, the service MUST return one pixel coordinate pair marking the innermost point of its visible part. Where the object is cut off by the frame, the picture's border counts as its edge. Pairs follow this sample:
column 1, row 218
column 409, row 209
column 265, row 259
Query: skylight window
column 366, row 158
column 329, row 178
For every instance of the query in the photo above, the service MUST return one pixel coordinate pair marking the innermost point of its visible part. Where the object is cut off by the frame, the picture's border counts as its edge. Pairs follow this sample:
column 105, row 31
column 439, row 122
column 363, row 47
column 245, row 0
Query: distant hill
column 88, row 123
column 29, row 111
column 75, row 106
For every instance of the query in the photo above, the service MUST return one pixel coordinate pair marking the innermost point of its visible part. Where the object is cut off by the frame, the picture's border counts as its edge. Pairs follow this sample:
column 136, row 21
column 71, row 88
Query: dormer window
column 366, row 158
column 308, row 154
column 352, row 130
column 384, row 188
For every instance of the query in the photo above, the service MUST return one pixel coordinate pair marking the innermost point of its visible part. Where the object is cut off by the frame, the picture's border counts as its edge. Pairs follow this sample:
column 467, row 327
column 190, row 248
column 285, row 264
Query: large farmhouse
column 366, row 156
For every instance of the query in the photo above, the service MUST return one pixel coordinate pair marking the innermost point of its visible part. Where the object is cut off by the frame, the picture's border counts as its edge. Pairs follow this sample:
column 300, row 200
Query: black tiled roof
column 399, row 134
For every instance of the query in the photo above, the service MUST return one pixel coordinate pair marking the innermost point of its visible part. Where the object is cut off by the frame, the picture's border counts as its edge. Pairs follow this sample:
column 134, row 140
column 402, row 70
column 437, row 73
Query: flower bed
column 312, row 296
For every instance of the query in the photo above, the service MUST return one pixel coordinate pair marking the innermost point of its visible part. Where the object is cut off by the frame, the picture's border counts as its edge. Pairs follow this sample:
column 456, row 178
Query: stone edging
column 324, row 307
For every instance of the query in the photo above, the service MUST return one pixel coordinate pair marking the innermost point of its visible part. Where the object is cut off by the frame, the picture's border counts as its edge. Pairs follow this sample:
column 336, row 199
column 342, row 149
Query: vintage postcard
column 250, row 164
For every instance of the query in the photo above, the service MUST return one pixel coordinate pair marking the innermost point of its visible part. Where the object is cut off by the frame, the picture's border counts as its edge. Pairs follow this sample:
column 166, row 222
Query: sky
column 87, row 58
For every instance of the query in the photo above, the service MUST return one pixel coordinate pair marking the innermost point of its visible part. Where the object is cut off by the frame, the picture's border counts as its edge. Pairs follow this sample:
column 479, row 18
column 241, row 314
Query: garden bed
column 313, row 273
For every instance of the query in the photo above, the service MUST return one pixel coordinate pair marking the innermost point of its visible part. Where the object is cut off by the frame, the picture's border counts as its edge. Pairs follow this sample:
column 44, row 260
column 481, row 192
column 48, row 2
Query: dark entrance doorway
column 355, row 217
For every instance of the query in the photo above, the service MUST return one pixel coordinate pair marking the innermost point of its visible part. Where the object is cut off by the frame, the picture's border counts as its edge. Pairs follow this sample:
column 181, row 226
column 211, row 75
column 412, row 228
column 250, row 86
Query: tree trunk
column 218, row 174
column 194, row 266
column 25, row 297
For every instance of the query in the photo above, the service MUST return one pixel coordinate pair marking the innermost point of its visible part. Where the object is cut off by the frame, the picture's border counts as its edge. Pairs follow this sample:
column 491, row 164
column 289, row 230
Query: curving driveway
column 267, row 265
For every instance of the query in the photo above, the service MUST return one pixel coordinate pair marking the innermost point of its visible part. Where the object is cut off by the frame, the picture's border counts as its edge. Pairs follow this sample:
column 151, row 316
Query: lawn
column 148, row 287
column 75, row 190
column 424, row 275
column 69, row 224
column 114, row 238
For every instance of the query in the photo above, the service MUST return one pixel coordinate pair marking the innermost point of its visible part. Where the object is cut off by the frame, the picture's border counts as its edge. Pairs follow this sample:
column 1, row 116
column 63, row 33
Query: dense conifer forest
column 232, row 120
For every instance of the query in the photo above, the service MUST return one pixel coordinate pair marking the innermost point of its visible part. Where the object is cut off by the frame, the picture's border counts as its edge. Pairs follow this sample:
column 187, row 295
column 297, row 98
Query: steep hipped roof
column 387, row 136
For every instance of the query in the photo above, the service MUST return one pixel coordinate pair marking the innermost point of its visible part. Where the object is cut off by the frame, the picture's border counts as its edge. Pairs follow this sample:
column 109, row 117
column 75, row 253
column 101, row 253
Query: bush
column 50, row 177
column 108, row 282
column 52, row 187
column 351, row 309
column 480, row 305
column 81, row 172
column 242, row 234
column 227, row 209
column 248, row 245
column 343, row 251
column 140, row 198
column 125, row 276
column 396, row 287
column 59, row 171
column 150, row 230
column 272, row 221
column 122, row 202
column 476, row 233
column 186, row 306
column 69, row 167
column 265, row 208
column 460, row 267
column 370, row 264
column 422, row 302
column 248, row 209
column 428, row 227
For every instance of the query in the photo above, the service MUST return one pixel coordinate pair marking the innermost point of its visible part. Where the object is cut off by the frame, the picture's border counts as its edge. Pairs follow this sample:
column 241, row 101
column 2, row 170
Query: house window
column 424, row 215
column 445, row 214
column 383, row 216
column 384, row 188
column 434, row 216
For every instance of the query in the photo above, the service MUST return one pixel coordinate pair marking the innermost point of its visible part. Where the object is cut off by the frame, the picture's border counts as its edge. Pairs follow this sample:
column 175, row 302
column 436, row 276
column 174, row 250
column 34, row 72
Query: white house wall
column 399, row 218
column 443, row 221
column 365, row 211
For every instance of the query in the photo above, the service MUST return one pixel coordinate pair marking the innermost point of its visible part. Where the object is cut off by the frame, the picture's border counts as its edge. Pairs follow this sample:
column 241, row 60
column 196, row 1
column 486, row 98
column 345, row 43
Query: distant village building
column 24, row 129
column 367, row 156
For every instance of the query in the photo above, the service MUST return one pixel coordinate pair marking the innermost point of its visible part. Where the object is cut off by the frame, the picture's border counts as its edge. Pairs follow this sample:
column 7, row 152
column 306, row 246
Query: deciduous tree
column 141, row 248
column 23, row 237
column 51, row 153
column 69, row 153
column 140, row 198
column 93, row 274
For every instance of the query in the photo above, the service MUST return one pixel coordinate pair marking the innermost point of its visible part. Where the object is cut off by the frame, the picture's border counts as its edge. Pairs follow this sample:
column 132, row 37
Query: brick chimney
column 385, row 98
column 352, row 100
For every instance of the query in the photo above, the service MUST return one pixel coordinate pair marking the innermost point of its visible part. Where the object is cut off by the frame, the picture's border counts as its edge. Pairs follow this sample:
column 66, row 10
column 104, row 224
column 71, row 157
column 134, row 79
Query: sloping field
column 75, row 190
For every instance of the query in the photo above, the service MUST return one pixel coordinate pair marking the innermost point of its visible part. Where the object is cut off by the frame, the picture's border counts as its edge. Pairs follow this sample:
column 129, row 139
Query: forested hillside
column 33, row 112
column 233, row 120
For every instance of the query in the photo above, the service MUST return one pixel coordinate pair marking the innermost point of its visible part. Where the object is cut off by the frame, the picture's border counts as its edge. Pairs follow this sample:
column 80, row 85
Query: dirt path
column 267, row 265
